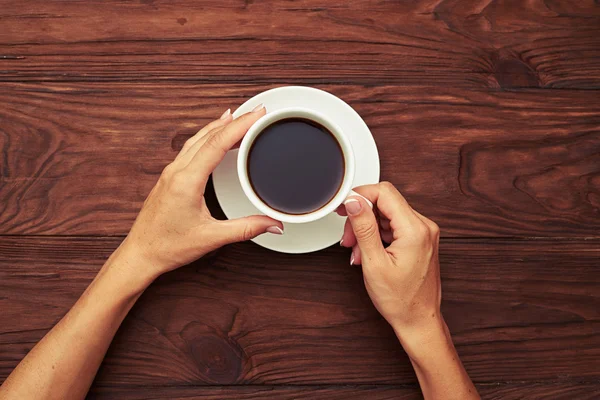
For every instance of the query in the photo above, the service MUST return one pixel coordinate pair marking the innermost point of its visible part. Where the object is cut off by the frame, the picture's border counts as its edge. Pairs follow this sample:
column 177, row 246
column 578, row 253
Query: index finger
column 214, row 149
column 390, row 204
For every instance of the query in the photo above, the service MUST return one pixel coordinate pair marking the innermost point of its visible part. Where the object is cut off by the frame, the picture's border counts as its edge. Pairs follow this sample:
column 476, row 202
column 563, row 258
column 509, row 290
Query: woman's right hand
column 402, row 279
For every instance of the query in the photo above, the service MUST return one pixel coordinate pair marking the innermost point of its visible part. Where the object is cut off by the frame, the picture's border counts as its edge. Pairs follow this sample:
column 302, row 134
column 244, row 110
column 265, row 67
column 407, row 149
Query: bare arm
column 173, row 228
column 437, row 365
column 64, row 363
column 403, row 281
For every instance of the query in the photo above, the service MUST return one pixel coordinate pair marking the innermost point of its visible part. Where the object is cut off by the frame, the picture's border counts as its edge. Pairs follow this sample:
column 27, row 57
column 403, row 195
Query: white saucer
column 313, row 236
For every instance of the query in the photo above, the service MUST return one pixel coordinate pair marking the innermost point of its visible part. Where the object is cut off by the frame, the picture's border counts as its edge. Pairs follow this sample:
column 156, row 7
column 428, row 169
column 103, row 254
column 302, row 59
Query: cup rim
column 300, row 112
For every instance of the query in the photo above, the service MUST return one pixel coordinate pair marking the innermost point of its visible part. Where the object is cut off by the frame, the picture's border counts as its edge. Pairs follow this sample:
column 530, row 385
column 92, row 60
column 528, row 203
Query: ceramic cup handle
column 353, row 193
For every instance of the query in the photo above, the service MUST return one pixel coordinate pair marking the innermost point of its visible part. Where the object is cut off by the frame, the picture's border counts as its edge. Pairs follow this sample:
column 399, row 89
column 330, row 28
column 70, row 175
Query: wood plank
column 250, row 316
column 550, row 390
column 467, row 44
column 79, row 158
column 258, row 392
column 556, row 391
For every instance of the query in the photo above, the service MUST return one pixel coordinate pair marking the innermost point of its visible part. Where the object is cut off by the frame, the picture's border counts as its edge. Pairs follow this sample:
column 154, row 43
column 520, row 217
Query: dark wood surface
column 80, row 158
column 509, row 303
column 486, row 115
column 579, row 391
column 553, row 43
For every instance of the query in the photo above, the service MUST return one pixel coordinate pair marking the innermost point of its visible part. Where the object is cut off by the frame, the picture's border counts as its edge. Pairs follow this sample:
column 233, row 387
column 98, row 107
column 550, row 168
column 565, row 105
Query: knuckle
column 365, row 232
column 247, row 233
column 213, row 142
column 387, row 186
column 421, row 233
column 215, row 131
column 188, row 143
column 169, row 169
column 178, row 183
column 167, row 172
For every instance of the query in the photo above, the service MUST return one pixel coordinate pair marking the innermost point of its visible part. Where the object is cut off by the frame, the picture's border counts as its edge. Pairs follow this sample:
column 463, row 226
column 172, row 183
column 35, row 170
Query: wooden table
column 487, row 118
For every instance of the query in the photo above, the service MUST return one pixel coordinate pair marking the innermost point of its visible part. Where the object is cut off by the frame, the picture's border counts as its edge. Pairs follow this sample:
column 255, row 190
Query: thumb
column 365, row 227
column 242, row 229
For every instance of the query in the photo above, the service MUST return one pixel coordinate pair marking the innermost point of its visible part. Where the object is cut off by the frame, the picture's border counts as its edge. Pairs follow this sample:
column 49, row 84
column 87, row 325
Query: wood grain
column 555, row 391
column 79, row 158
column 255, row 392
column 480, row 44
column 96, row 97
column 250, row 316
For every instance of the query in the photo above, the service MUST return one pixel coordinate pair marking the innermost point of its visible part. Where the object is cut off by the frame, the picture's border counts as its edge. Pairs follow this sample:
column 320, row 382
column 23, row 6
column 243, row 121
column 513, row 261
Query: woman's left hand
column 174, row 226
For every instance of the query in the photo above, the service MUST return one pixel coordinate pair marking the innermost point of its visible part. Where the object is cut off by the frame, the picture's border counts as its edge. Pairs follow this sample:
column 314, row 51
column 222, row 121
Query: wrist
column 129, row 269
column 423, row 339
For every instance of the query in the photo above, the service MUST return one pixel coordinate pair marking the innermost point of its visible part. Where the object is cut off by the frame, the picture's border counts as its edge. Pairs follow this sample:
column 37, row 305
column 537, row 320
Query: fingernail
column 353, row 206
column 352, row 259
column 226, row 114
column 258, row 107
column 341, row 242
column 275, row 230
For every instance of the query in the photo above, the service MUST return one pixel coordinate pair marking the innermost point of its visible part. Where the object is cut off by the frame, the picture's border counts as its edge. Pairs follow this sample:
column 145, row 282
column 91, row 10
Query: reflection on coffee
column 296, row 166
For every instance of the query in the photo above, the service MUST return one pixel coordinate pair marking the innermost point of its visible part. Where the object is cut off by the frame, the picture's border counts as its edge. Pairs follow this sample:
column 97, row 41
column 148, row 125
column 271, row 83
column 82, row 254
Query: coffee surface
column 295, row 166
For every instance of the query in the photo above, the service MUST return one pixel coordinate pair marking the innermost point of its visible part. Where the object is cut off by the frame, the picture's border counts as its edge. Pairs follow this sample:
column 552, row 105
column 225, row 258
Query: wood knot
column 512, row 72
column 219, row 358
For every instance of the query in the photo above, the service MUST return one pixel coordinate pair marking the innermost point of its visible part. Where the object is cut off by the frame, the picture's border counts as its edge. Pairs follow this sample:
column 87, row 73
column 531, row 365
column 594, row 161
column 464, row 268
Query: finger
column 391, row 205
column 424, row 219
column 210, row 134
column 214, row 149
column 365, row 227
column 189, row 155
column 222, row 121
column 242, row 229
column 348, row 238
column 434, row 229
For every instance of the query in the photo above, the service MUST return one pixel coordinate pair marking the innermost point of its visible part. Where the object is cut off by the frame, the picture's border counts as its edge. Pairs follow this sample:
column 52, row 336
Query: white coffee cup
column 296, row 112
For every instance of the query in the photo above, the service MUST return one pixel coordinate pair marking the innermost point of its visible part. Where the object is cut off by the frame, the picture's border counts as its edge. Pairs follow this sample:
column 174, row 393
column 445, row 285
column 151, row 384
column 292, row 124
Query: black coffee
column 295, row 166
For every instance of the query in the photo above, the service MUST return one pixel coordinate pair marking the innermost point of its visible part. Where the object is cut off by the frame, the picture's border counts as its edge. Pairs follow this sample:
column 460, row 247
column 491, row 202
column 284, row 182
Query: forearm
column 63, row 364
column 438, row 368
